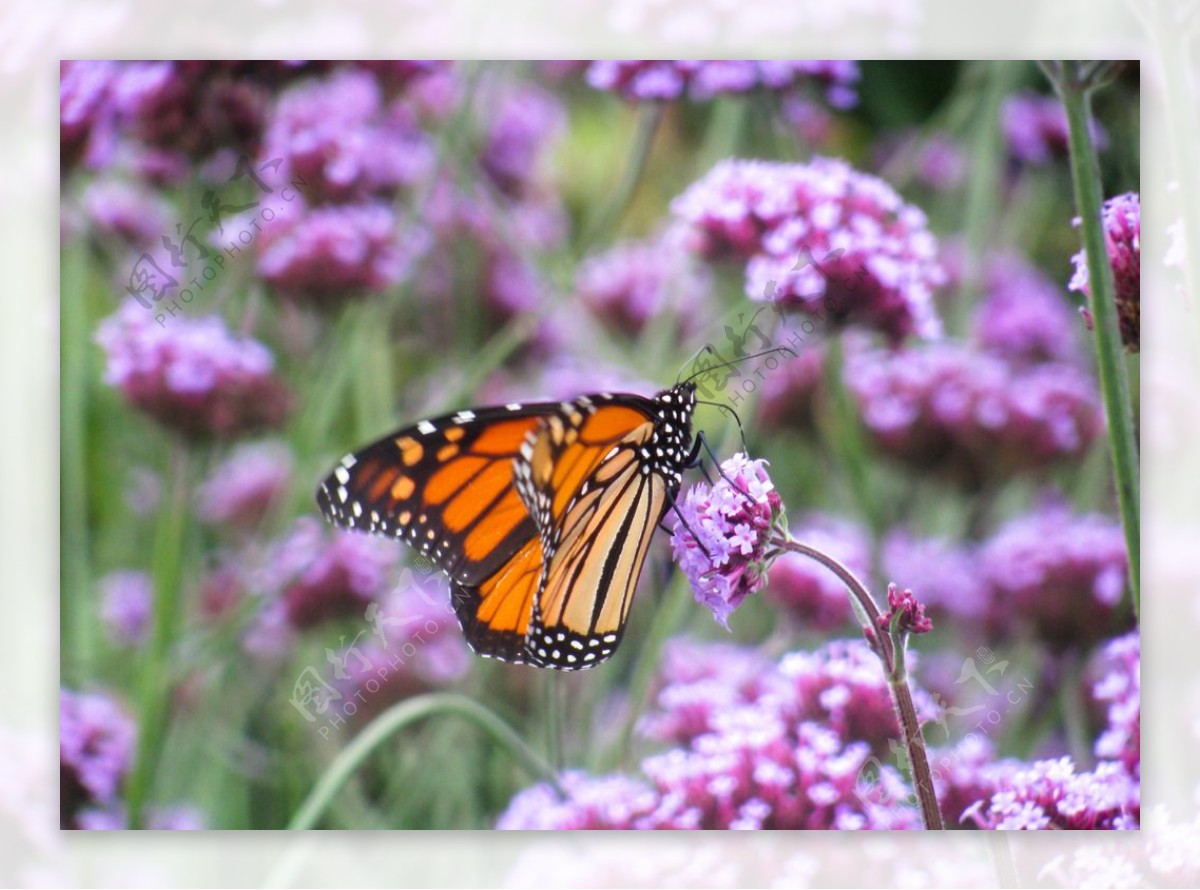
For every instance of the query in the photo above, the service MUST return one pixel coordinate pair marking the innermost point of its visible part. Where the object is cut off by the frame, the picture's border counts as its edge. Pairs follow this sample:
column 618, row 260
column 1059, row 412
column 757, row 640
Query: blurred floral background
column 273, row 263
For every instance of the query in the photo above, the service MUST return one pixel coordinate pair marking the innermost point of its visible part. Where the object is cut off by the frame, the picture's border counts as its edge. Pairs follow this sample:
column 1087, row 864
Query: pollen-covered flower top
column 722, row 535
column 1123, row 239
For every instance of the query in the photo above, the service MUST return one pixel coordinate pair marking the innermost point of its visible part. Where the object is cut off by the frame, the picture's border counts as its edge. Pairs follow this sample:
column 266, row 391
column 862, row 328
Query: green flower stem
column 651, row 115
column 890, row 649
column 1075, row 91
column 156, row 681
column 398, row 717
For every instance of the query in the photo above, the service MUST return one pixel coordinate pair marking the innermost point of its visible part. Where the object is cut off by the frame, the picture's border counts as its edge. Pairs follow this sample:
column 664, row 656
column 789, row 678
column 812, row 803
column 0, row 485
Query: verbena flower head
column 245, row 487
column 126, row 600
column 636, row 282
column 339, row 140
column 808, row 593
column 1122, row 237
column 86, row 126
column 1024, row 316
column 722, row 535
column 1035, row 128
column 906, row 610
column 1056, row 574
column 191, row 375
column 125, row 210
column 1120, row 688
column 701, row 80
column 972, row 417
column 1050, row 794
column 821, row 238
column 755, row 745
column 319, row 255
column 315, row 573
column 96, row 743
column 522, row 124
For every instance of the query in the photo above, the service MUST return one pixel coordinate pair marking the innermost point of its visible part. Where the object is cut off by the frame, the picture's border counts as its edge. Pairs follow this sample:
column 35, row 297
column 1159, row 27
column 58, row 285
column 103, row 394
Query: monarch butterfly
column 541, row 514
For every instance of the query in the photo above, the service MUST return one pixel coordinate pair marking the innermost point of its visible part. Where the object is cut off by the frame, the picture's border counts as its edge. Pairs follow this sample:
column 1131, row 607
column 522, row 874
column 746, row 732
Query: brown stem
column 892, row 658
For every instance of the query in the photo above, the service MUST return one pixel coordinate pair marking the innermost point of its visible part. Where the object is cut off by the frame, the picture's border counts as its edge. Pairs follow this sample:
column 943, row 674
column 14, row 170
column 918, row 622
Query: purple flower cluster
column 244, row 488
column 95, row 742
column 636, row 282
column 126, row 600
column 313, row 575
column 905, row 611
column 84, row 113
column 790, row 396
column 340, row 139
column 1024, row 316
column 172, row 818
column 1123, row 239
column 1057, row 574
column 125, row 210
column 318, row 255
column 755, row 745
column 1120, row 688
column 1050, row 794
column 1035, row 128
column 192, row 376
column 808, row 593
column 972, row 417
column 701, row 80
column 722, row 535
column 821, row 238
column 522, row 122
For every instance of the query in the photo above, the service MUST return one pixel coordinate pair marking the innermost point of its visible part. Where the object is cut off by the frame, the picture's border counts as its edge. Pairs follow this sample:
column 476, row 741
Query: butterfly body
column 541, row 514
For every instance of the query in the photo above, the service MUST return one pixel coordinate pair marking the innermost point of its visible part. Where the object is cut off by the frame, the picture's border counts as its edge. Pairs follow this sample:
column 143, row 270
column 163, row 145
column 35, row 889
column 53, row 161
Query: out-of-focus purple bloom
column 1123, row 239
column 522, row 123
column 722, row 535
column 636, row 282
column 173, row 818
column 756, row 745
column 191, row 375
column 126, row 598
column 788, row 396
column 411, row 644
column 1035, row 127
column 1024, row 316
column 808, row 593
column 86, row 133
column 1050, row 794
column 936, row 161
column 243, row 489
column 341, row 143
column 1120, row 687
column 319, row 574
column 319, row 255
column 964, row 775
column 821, row 238
column 973, row 417
column 811, row 120
column 95, row 742
column 1057, row 574
column 841, row 685
column 906, row 610
column 192, row 107
column 697, row 680
column 221, row 590
column 945, row 574
column 701, row 80
column 126, row 211
column 395, row 75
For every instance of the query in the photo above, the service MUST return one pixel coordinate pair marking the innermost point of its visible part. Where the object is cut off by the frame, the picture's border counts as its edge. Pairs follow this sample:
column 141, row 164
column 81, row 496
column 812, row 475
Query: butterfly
column 541, row 514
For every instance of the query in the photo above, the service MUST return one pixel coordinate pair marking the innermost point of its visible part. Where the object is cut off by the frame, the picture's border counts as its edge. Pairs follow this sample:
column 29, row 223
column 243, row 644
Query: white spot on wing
column 426, row 428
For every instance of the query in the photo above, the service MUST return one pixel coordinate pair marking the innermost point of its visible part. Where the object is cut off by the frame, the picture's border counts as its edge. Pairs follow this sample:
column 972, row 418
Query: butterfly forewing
column 444, row 486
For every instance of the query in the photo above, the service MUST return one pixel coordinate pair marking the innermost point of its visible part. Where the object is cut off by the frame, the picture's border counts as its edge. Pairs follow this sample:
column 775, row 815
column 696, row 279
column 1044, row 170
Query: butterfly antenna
column 707, row 347
column 729, row 410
